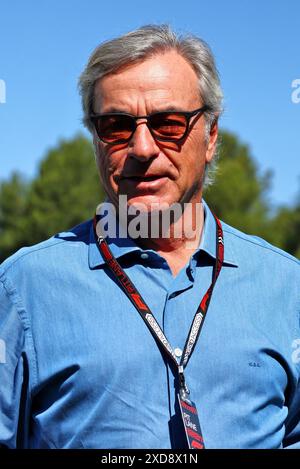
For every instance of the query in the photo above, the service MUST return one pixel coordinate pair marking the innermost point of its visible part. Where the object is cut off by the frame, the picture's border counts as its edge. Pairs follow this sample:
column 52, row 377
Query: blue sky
column 44, row 46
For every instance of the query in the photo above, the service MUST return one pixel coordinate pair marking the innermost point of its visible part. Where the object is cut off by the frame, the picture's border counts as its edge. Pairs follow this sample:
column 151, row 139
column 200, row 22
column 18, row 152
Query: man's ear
column 95, row 139
column 95, row 145
column 212, row 141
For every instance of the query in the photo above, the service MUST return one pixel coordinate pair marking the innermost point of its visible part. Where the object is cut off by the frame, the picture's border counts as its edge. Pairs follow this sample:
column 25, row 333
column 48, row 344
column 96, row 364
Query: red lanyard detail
column 135, row 297
column 187, row 407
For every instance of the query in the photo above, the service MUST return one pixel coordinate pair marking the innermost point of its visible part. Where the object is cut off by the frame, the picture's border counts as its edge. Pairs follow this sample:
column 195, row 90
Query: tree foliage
column 13, row 197
column 239, row 193
column 66, row 190
column 286, row 229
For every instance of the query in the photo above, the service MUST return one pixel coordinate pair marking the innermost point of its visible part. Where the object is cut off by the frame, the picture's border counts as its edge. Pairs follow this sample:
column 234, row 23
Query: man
column 106, row 345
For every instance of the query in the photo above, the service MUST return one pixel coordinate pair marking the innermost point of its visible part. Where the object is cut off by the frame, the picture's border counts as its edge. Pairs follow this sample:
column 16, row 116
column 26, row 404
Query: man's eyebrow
column 170, row 108
column 114, row 109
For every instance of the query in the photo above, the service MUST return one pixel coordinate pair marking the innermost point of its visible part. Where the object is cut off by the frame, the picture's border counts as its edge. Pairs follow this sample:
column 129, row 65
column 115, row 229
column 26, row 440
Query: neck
column 182, row 232
column 175, row 235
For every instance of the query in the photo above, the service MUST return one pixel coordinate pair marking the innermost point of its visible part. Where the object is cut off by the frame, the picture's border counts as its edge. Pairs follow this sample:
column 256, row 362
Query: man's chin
column 148, row 204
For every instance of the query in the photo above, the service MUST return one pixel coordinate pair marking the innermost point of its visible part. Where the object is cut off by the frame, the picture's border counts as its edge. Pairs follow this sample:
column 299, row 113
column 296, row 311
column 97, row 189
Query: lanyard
column 148, row 317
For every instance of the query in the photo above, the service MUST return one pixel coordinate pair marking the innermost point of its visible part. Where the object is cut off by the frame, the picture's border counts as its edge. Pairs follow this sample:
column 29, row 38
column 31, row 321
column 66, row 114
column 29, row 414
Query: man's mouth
column 143, row 178
column 144, row 182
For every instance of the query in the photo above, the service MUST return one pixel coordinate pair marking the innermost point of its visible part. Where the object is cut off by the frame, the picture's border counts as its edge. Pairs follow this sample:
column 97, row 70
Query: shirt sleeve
column 292, row 438
column 292, row 435
column 14, row 375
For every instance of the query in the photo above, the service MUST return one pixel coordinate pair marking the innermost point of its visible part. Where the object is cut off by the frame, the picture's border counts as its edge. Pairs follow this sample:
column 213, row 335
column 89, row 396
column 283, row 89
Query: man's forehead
column 168, row 63
column 161, row 77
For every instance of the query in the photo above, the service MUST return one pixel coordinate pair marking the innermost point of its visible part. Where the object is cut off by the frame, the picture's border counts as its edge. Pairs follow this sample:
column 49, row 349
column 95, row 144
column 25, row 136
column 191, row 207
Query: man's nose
column 142, row 145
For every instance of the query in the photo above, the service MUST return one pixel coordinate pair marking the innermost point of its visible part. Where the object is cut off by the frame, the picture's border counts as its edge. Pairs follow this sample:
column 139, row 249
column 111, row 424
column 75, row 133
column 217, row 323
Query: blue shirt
column 79, row 368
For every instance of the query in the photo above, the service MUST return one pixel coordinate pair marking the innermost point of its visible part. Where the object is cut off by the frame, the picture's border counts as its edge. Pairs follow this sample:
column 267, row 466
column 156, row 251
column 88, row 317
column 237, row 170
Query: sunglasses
column 165, row 126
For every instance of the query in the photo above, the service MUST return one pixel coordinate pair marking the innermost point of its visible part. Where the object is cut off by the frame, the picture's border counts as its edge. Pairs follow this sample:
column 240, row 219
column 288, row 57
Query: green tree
column 13, row 194
column 64, row 193
column 239, row 193
column 66, row 190
column 286, row 228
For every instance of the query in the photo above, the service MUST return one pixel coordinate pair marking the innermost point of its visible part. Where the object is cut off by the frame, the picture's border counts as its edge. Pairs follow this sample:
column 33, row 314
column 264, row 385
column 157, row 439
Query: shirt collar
column 121, row 244
column 208, row 242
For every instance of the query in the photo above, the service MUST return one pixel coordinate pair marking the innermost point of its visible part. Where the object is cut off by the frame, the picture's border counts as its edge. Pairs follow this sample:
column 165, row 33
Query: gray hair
column 138, row 45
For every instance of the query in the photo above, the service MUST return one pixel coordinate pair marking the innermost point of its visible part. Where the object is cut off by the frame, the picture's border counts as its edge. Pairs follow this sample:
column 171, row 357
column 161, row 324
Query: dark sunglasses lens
column 114, row 128
column 168, row 125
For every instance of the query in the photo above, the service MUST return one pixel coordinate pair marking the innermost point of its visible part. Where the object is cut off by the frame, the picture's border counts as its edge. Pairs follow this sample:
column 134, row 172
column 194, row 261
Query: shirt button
column 178, row 352
column 144, row 255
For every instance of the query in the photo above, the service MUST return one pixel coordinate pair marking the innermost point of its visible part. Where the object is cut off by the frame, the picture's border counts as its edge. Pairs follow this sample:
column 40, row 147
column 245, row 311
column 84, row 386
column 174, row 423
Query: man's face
column 145, row 170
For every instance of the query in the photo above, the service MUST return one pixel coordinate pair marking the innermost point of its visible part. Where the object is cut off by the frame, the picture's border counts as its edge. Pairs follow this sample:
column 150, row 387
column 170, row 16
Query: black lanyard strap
column 135, row 297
